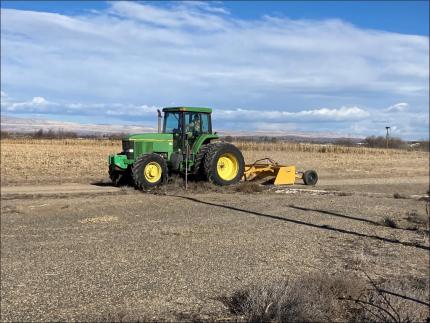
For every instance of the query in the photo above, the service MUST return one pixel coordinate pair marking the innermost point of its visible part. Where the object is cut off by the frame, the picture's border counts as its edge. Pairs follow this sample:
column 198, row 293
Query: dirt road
column 410, row 185
column 73, row 188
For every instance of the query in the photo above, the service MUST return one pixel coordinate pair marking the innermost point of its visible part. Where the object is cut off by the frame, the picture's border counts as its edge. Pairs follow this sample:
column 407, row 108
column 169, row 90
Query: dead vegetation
column 313, row 148
column 314, row 297
column 389, row 222
column 413, row 220
column 419, row 219
column 55, row 161
column 398, row 196
column 176, row 185
column 324, row 298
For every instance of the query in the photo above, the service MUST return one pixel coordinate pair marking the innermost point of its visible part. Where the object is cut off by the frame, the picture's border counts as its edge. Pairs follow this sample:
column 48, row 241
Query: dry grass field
column 33, row 161
column 354, row 248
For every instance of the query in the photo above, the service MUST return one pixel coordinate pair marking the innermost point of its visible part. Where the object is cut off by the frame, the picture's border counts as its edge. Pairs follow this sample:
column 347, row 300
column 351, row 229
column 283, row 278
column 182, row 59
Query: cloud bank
column 272, row 72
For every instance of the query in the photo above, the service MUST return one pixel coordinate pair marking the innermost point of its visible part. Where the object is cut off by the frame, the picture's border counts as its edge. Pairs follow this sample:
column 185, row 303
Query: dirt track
column 412, row 185
column 73, row 188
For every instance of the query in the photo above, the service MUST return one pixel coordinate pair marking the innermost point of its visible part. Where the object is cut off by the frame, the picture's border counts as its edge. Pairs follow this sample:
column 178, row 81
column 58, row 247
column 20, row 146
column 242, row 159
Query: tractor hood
column 150, row 137
column 134, row 146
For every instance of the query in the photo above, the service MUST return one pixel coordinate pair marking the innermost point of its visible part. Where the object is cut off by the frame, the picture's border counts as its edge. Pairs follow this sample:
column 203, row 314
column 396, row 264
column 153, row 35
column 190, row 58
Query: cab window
column 197, row 123
column 171, row 122
column 192, row 122
column 204, row 123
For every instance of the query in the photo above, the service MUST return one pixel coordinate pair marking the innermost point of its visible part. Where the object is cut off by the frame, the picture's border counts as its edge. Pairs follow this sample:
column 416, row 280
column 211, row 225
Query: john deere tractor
column 184, row 144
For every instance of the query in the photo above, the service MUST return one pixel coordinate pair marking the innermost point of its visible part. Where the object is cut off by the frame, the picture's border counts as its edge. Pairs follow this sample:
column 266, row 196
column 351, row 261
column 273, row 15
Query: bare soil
column 168, row 256
column 86, row 251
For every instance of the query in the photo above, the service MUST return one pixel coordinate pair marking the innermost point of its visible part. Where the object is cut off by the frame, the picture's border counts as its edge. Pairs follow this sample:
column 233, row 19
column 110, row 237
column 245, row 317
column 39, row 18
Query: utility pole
column 387, row 136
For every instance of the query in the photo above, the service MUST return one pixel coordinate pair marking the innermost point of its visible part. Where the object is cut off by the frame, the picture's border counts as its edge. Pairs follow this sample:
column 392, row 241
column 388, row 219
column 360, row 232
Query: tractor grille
column 126, row 146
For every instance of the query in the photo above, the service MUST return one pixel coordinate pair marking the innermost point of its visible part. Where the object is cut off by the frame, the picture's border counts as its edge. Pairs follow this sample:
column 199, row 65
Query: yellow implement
column 284, row 175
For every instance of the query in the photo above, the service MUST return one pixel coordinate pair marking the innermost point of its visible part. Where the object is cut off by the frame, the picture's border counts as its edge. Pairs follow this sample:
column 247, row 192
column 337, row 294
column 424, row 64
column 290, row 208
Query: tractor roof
column 187, row 109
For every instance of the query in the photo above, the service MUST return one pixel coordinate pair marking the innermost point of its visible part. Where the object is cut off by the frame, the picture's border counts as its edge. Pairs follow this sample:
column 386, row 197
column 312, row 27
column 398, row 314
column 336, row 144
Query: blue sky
column 344, row 67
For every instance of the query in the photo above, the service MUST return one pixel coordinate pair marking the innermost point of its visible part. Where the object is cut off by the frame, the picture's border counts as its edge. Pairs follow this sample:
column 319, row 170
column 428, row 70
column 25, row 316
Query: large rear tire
column 149, row 171
column 224, row 164
column 199, row 167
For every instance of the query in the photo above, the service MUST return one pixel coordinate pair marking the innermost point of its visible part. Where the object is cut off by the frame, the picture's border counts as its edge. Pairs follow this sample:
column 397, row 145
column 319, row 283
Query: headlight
column 129, row 150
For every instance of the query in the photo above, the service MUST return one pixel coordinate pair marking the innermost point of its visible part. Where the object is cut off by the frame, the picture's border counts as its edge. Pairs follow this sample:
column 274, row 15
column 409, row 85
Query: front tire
column 224, row 164
column 149, row 171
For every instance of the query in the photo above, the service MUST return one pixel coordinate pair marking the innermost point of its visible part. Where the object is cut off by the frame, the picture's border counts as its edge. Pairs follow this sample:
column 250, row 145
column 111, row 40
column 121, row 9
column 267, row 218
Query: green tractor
column 185, row 145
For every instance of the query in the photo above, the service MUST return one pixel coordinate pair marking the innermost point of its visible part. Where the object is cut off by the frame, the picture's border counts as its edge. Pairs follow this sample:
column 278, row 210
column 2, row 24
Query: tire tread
column 137, row 171
column 210, row 162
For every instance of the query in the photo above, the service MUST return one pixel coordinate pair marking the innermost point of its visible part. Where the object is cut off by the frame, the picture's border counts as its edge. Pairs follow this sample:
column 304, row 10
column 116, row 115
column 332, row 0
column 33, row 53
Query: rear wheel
column 310, row 177
column 149, row 171
column 224, row 164
column 199, row 169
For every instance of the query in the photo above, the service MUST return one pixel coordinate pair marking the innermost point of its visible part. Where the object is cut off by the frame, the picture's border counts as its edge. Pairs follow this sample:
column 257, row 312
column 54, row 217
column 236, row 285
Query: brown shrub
column 378, row 305
column 312, row 298
column 389, row 222
column 398, row 196
column 417, row 218
column 323, row 298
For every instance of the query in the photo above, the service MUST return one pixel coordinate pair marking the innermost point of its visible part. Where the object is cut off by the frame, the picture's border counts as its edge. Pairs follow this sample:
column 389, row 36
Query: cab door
column 173, row 124
column 196, row 124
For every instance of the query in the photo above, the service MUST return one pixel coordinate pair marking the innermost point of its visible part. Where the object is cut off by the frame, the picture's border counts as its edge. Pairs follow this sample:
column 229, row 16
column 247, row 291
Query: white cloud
column 140, row 56
column 322, row 114
column 205, row 5
column 37, row 104
column 38, row 100
column 198, row 15
column 398, row 107
column 41, row 105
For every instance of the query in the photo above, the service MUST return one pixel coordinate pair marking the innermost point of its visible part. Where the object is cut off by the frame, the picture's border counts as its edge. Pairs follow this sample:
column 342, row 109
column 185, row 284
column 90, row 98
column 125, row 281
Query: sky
column 348, row 68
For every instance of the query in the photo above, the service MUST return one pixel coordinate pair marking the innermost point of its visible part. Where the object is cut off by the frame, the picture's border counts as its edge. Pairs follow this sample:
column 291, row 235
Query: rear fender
column 203, row 139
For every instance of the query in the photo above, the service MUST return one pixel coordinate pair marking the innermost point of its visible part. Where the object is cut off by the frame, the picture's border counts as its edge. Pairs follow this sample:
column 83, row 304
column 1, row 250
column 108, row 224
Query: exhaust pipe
column 159, row 120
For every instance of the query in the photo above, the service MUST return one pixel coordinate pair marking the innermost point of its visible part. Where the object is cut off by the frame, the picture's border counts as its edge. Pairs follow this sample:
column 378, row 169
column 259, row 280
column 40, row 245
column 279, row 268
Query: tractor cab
column 184, row 144
column 186, row 125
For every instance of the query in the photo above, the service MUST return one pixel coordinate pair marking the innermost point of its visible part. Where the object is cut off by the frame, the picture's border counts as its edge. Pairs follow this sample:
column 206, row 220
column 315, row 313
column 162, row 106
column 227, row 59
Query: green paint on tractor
column 185, row 142
column 188, row 109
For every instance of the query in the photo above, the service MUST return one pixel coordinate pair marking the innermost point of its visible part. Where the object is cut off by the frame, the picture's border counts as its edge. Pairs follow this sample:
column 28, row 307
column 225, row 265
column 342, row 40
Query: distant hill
column 23, row 125
column 26, row 125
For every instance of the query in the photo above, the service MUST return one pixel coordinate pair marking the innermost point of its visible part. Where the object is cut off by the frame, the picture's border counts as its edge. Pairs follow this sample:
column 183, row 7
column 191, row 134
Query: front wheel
column 149, row 171
column 224, row 164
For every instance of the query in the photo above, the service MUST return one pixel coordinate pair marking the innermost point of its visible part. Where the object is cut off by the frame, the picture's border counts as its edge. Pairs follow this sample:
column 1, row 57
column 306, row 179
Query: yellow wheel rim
column 227, row 167
column 152, row 172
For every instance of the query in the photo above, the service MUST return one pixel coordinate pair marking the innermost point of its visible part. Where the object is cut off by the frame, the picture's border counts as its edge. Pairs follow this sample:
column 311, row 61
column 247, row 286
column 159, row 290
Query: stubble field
column 195, row 255
column 32, row 161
